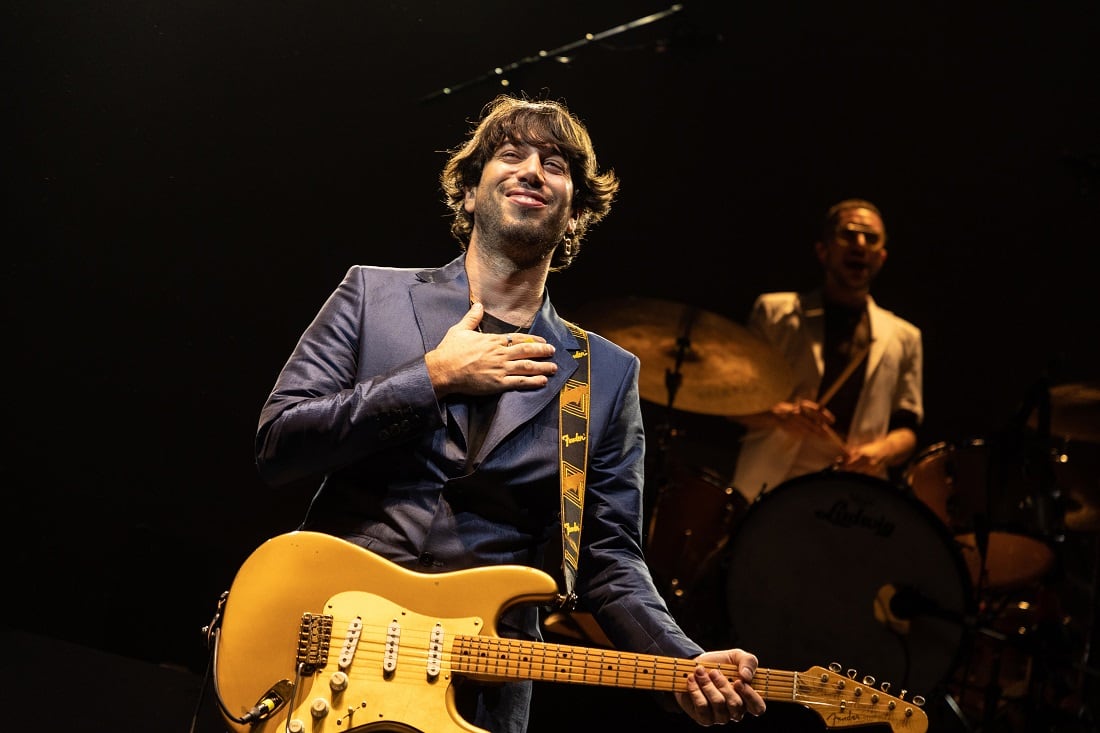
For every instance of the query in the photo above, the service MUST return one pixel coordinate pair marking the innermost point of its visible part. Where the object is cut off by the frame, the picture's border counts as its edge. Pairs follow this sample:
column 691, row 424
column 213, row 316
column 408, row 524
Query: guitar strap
column 573, row 452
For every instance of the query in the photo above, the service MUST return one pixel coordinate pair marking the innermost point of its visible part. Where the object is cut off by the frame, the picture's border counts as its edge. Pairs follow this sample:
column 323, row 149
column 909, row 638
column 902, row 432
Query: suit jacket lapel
column 440, row 297
column 518, row 406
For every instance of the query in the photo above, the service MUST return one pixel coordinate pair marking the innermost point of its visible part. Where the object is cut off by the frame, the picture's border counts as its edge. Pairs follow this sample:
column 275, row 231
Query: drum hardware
column 688, row 529
column 1018, row 671
column 1077, row 479
column 1028, row 663
column 1065, row 419
column 689, row 510
column 992, row 670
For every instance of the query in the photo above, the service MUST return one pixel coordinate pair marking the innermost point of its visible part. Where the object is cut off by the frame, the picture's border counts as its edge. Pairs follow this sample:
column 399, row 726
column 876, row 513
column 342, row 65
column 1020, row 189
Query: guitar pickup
column 351, row 643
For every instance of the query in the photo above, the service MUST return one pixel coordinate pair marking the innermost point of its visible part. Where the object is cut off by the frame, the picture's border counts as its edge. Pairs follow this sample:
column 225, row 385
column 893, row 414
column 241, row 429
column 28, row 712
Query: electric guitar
column 319, row 635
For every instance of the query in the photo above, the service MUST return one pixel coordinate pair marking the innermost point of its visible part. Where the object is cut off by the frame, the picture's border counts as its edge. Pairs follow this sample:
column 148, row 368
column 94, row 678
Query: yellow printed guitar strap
column 573, row 450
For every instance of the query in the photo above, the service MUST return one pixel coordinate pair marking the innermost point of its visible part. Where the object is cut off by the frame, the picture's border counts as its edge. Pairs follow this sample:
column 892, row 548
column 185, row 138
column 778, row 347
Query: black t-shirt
column 847, row 333
column 482, row 408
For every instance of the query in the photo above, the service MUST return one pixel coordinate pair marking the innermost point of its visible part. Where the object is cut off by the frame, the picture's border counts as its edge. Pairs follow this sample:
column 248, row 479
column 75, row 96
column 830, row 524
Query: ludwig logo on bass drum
column 841, row 515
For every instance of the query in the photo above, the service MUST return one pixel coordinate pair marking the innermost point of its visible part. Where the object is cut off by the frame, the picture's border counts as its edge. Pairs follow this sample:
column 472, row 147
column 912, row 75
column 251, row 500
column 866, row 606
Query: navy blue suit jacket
column 354, row 407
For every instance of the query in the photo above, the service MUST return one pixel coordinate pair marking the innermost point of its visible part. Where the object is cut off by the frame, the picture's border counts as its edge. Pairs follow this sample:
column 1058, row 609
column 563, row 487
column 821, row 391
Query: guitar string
column 517, row 651
column 547, row 662
column 543, row 649
column 801, row 688
column 554, row 659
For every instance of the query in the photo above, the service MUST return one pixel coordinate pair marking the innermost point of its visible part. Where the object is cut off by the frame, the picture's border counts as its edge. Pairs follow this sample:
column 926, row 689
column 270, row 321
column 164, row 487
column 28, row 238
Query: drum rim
column 903, row 490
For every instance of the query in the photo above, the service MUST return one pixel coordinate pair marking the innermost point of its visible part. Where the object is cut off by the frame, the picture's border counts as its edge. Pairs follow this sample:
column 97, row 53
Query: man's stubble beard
column 524, row 242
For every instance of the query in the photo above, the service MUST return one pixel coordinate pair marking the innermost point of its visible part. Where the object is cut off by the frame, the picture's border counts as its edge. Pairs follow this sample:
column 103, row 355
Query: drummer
column 856, row 404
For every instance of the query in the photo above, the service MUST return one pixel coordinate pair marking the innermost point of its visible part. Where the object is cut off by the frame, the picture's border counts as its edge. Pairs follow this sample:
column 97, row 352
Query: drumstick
column 834, row 437
column 855, row 361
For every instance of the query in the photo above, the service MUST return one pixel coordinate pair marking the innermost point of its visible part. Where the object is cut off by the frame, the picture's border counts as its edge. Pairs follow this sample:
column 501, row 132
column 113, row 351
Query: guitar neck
column 488, row 657
column 841, row 701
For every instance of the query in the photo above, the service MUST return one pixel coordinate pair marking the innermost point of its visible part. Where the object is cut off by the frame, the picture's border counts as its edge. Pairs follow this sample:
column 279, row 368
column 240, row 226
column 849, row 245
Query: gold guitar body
column 304, row 572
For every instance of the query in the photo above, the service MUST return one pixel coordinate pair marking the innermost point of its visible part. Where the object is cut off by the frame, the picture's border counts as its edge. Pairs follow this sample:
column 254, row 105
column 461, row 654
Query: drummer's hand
column 804, row 417
column 874, row 457
column 869, row 458
column 714, row 699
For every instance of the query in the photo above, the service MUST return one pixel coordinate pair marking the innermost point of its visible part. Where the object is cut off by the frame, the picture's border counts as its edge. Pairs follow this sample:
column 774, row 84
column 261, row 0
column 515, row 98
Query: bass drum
column 842, row 567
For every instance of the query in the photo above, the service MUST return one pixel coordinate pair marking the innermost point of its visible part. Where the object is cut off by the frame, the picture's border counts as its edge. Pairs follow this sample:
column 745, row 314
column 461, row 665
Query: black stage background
column 186, row 182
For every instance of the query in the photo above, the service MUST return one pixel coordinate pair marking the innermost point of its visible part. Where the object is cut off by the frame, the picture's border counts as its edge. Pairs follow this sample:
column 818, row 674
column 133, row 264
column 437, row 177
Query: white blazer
column 794, row 324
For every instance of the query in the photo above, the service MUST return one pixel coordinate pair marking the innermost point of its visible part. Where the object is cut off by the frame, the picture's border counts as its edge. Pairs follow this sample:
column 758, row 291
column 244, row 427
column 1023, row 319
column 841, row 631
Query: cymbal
column 723, row 368
column 1074, row 411
column 1083, row 514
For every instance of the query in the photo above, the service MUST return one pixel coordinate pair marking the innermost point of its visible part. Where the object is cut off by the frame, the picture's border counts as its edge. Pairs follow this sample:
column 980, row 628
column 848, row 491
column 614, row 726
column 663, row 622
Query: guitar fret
column 514, row 659
column 768, row 683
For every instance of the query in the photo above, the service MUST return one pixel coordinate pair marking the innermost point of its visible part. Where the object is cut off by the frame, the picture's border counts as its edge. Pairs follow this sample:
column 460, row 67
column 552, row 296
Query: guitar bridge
column 314, row 635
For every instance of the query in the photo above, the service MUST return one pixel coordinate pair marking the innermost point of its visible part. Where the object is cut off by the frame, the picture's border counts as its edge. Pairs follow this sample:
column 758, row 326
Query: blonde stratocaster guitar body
column 318, row 635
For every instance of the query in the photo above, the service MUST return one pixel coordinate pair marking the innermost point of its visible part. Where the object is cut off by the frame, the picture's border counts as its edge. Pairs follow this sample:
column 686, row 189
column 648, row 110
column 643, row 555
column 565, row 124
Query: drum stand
column 666, row 434
column 1059, row 689
column 690, row 508
column 1055, row 689
column 1038, row 676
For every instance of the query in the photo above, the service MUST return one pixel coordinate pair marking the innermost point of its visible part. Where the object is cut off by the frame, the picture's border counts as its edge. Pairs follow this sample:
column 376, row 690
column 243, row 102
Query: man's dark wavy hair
column 542, row 123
